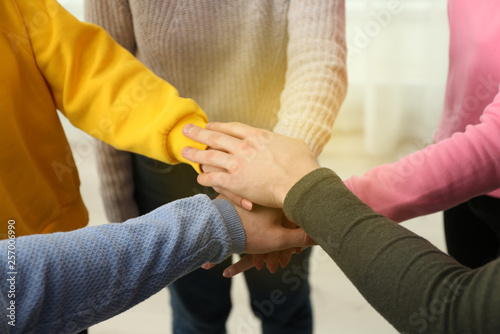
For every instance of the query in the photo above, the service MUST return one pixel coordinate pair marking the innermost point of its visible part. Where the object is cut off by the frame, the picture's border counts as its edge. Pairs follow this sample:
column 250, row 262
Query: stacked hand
column 270, row 238
column 267, row 230
column 254, row 165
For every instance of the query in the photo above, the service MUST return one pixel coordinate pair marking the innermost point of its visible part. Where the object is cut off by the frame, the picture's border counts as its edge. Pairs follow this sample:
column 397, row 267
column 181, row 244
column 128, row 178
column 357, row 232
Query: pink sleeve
column 439, row 176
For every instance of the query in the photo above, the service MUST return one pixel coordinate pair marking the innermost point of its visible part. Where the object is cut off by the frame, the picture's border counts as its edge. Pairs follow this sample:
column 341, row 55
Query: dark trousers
column 200, row 300
column 472, row 231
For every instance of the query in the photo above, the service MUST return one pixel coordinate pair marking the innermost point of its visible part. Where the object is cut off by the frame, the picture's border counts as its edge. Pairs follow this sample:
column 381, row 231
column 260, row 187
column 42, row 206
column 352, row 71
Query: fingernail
column 226, row 273
column 187, row 128
column 247, row 204
column 209, row 126
column 186, row 150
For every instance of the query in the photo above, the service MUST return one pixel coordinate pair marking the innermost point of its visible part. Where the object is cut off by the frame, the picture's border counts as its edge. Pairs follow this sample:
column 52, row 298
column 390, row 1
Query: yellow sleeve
column 105, row 91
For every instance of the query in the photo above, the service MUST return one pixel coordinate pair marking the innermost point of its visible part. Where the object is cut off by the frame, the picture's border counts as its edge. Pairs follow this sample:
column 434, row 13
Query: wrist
column 282, row 192
column 233, row 224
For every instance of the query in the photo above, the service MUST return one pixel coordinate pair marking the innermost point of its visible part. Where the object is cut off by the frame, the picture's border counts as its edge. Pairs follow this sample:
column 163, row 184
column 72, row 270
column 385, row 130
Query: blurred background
column 397, row 67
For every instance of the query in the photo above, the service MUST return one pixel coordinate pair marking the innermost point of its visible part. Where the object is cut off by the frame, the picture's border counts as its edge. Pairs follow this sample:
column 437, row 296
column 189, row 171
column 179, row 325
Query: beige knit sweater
column 273, row 64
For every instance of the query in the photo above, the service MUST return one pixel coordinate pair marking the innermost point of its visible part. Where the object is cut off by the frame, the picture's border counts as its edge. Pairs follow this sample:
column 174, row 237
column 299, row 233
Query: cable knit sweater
column 278, row 65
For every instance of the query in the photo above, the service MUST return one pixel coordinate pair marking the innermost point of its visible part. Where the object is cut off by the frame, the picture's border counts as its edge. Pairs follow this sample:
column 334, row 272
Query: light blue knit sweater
column 66, row 282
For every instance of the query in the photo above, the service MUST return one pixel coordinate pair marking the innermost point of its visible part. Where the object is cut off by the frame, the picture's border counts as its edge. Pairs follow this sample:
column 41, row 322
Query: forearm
column 75, row 279
column 102, row 89
column 316, row 79
column 438, row 177
column 402, row 275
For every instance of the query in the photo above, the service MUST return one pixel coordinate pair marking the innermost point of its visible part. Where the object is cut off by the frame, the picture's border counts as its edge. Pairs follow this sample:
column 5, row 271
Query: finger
column 242, row 265
column 272, row 261
column 216, row 180
column 212, row 158
column 246, row 204
column 235, row 199
column 211, row 169
column 258, row 260
column 234, row 129
column 207, row 266
column 285, row 256
column 214, row 139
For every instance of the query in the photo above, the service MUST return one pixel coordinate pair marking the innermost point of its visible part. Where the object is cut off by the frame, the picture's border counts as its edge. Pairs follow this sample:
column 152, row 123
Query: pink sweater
column 465, row 161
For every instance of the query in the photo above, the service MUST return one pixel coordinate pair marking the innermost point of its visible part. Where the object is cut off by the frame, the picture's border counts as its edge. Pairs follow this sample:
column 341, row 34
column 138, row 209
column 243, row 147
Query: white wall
column 397, row 67
column 73, row 6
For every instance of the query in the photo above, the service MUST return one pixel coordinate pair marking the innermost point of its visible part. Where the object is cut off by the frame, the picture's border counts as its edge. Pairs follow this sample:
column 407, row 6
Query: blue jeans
column 201, row 300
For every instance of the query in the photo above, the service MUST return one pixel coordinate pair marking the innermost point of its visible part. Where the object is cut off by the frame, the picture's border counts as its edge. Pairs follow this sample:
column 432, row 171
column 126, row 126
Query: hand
column 249, row 261
column 257, row 260
column 257, row 221
column 267, row 230
column 271, row 259
column 255, row 164
column 235, row 199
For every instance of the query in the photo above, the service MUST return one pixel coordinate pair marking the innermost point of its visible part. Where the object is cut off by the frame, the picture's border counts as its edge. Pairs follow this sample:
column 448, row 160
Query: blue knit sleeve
column 65, row 282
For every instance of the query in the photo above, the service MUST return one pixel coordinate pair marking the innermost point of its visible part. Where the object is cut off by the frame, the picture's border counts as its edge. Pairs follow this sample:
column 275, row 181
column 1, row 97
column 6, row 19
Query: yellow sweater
column 49, row 60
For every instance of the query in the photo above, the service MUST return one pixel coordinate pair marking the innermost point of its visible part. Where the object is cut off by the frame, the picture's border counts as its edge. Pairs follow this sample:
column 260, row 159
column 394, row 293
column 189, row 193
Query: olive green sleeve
column 412, row 284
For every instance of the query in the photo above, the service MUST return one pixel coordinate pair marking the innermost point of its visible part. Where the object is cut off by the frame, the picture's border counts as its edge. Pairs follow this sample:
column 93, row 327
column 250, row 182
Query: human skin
column 249, row 162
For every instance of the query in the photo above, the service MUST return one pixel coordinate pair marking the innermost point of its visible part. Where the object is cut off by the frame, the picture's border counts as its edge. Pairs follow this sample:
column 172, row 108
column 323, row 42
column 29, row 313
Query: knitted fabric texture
column 278, row 65
column 69, row 281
